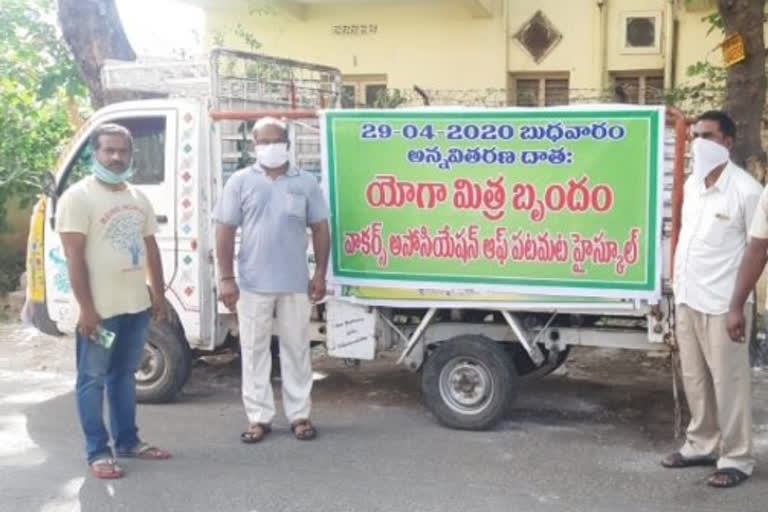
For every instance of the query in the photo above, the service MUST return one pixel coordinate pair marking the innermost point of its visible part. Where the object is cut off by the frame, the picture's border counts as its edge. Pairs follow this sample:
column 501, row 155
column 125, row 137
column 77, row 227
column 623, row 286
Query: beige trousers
column 718, row 387
column 256, row 312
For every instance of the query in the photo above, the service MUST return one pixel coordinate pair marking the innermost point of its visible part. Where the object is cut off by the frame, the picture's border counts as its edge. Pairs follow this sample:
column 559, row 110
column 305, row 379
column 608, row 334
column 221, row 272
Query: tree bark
column 745, row 102
column 746, row 82
column 94, row 33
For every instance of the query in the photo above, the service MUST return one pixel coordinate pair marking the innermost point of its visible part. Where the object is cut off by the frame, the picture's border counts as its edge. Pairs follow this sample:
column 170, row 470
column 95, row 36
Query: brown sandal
column 106, row 468
column 303, row 430
column 146, row 451
column 255, row 433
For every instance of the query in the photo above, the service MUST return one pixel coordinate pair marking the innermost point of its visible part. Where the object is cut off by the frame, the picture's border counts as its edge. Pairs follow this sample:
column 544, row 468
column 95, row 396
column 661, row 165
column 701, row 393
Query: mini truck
column 473, row 326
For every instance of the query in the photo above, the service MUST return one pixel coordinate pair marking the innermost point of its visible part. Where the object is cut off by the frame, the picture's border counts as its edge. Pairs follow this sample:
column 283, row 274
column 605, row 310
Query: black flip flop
column 733, row 477
column 676, row 461
column 252, row 436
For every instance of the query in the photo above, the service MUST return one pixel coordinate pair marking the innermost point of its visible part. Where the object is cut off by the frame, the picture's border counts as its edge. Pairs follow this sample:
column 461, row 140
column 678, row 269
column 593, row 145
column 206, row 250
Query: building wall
column 438, row 45
column 414, row 43
column 694, row 44
column 575, row 54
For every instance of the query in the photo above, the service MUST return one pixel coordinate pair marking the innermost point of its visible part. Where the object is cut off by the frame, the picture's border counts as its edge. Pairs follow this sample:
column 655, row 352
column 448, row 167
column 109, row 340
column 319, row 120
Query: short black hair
column 724, row 121
column 110, row 129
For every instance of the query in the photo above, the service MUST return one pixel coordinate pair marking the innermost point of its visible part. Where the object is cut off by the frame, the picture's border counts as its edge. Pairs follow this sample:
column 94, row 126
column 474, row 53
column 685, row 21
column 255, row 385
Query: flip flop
column 106, row 468
column 303, row 430
column 727, row 477
column 256, row 433
column 146, row 451
column 676, row 461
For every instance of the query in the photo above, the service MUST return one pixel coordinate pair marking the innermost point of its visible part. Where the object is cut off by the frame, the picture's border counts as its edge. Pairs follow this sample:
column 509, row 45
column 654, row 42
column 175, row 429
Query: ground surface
column 588, row 440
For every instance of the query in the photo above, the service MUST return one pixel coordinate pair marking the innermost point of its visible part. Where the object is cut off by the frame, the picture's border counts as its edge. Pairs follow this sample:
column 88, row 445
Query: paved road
column 586, row 441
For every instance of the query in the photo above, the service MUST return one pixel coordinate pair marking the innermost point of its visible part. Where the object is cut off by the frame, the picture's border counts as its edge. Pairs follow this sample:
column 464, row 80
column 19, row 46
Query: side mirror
column 48, row 184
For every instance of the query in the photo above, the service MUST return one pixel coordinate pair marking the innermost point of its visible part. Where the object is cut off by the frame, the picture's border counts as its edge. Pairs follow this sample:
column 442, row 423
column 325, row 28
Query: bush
column 12, row 265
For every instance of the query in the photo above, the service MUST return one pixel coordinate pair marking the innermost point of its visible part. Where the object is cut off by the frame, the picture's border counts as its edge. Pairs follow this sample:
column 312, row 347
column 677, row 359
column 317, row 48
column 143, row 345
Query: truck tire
column 166, row 364
column 468, row 382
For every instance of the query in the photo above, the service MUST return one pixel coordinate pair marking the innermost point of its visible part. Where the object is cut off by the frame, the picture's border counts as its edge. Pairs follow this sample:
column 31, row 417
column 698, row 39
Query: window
column 373, row 93
column 148, row 153
column 639, row 88
column 538, row 91
column 348, row 96
column 148, row 149
column 641, row 32
column 362, row 90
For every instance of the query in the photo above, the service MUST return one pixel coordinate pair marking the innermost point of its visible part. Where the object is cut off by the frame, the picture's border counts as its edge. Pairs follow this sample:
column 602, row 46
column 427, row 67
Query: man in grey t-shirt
column 273, row 204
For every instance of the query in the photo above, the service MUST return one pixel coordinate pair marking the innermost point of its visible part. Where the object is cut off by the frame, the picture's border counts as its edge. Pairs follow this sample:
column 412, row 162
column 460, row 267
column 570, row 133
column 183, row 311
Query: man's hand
column 88, row 322
column 735, row 323
column 317, row 287
column 229, row 294
column 159, row 311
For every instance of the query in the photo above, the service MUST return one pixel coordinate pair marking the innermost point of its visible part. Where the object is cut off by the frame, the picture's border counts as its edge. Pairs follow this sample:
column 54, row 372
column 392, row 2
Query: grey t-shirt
column 273, row 216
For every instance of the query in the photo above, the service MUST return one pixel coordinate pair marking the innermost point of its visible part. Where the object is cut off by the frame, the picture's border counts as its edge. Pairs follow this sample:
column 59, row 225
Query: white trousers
column 256, row 313
column 718, row 386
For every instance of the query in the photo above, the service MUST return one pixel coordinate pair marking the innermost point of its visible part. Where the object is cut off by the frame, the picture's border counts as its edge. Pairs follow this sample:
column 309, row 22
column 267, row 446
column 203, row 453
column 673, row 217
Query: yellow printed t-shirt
column 114, row 224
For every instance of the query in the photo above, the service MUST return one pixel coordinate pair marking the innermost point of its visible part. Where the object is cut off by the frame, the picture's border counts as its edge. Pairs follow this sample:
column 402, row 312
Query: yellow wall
column 414, row 44
column 439, row 45
column 575, row 53
column 694, row 45
column 617, row 58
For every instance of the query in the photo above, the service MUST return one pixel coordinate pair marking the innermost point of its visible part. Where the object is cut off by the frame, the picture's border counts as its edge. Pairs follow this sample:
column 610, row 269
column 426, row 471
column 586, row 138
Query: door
column 154, row 162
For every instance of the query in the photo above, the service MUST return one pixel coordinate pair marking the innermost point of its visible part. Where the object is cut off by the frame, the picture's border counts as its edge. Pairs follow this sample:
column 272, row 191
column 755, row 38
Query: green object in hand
column 104, row 337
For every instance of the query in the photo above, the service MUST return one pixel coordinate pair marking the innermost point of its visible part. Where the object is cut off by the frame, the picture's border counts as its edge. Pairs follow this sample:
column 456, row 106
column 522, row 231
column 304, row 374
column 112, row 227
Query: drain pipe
column 669, row 43
column 602, row 46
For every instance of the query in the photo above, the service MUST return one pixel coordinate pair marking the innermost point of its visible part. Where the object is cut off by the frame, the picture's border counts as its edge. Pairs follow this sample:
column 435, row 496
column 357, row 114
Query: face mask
column 272, row 156
column 706, row 156
column 107, row 176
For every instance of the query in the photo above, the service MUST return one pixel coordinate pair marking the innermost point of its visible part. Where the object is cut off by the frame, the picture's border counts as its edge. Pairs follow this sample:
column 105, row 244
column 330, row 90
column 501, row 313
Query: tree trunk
column 745, row 102
column 746, row 82
column 94, row 33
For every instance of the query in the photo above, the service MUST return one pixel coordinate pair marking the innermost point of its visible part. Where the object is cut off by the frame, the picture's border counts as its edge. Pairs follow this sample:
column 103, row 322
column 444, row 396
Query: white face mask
column 272, row 155
column 706, row 156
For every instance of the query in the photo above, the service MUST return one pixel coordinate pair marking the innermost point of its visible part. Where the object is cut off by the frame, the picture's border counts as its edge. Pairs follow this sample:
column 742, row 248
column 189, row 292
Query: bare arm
column 225, row 249
column 752, row 264
column 74, row 250
column 321, row 243
column 751, row 267
column 229, row 292
column 156, row 279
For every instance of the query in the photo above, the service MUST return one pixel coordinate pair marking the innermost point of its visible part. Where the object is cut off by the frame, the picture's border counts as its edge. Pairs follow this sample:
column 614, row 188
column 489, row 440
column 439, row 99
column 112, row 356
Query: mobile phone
column 104, row 337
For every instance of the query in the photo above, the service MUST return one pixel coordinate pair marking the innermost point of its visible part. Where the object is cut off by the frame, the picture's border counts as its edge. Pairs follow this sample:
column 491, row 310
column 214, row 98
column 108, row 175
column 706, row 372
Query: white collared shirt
column 715, row 223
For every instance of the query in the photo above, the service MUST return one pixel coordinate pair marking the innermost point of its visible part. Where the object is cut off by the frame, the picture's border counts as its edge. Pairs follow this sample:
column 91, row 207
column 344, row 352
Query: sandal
column 106, row 468
column 727, row 477
column 146, row 451
column 255, row 433
column 303, row 430
column 676, row 461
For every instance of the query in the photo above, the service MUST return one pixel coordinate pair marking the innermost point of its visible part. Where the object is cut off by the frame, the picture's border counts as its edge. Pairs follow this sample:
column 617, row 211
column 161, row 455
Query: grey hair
column 269, row 121
column 110, row 129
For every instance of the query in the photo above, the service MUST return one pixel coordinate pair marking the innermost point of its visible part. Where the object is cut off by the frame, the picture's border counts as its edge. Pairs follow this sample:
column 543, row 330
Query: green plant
column 11, row 268
column 38, row 84
column 389, row 98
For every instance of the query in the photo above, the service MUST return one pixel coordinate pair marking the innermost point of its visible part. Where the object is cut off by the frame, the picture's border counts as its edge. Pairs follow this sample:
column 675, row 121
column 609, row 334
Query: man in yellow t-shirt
column 107, row 228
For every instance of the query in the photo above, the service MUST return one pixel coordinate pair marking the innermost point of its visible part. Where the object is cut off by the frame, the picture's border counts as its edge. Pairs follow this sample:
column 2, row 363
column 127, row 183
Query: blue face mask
column 107, row 176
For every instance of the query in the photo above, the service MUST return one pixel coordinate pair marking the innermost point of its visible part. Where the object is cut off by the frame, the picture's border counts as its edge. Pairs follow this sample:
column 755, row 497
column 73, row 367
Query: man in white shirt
column 720, row 200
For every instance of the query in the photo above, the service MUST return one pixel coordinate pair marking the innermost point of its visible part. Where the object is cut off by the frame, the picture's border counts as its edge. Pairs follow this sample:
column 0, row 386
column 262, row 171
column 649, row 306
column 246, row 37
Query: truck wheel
column 468, row 382
column 166, row 364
